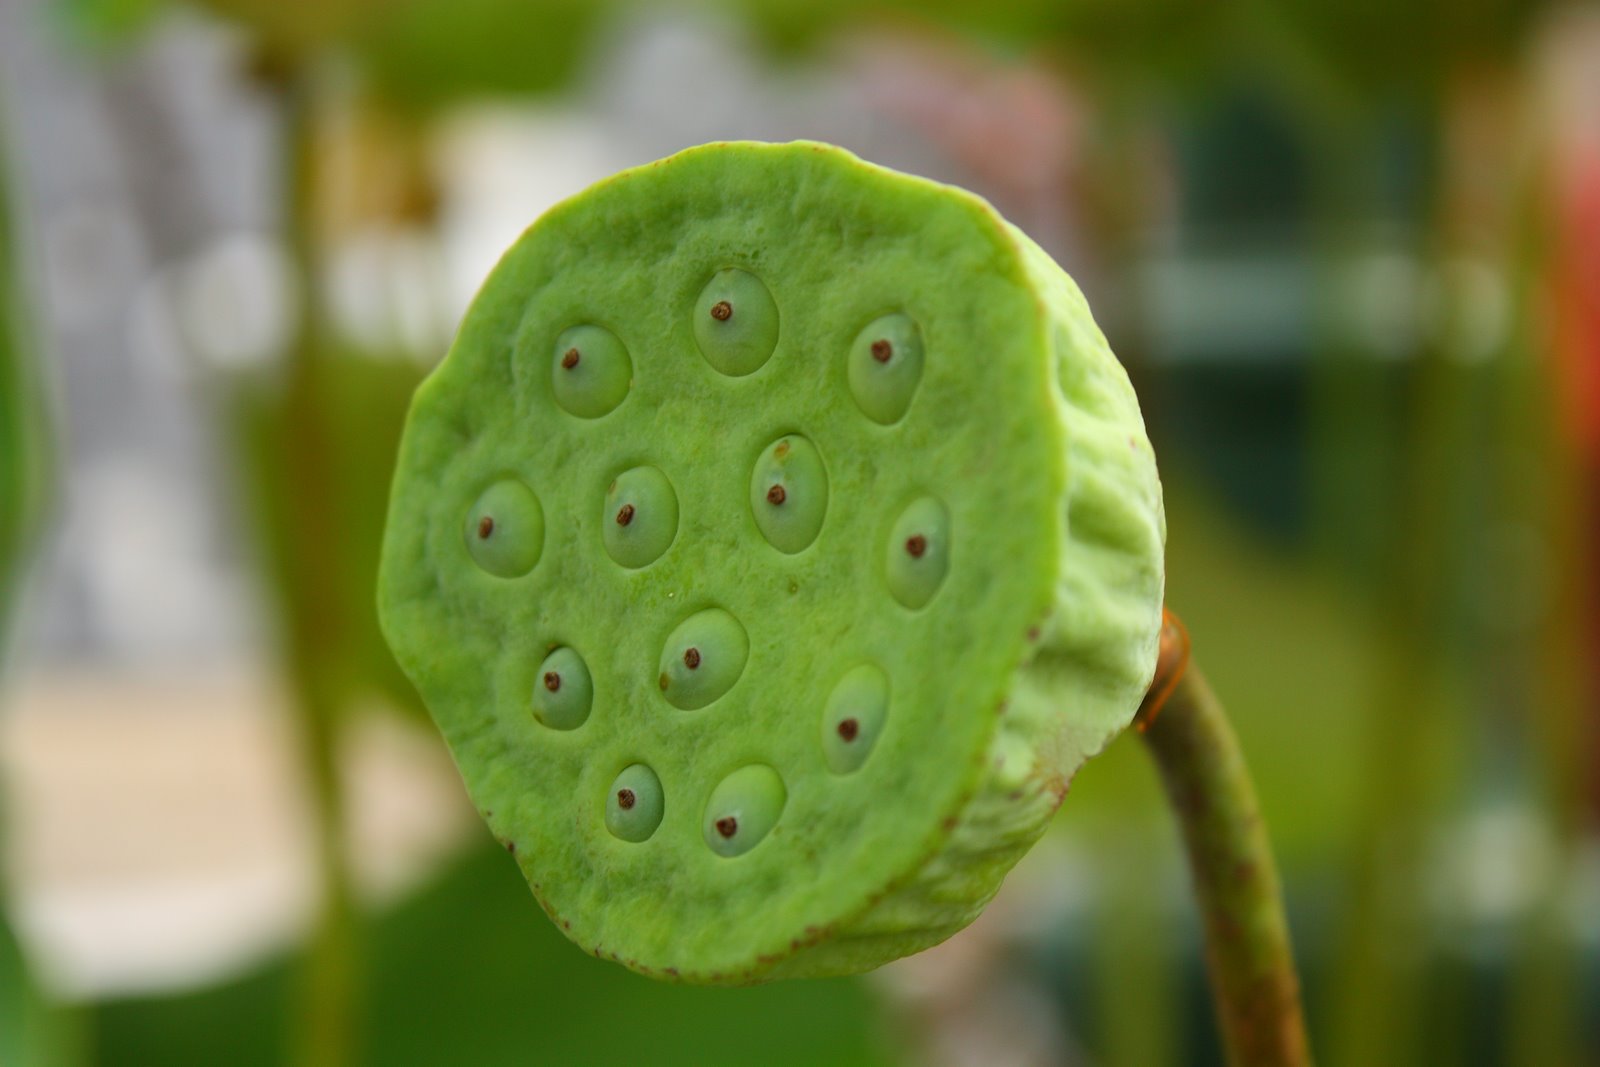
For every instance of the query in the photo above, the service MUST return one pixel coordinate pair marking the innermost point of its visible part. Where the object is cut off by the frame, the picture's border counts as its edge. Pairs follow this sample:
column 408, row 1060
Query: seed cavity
column 740, row 344
column 563, row 700
column 703, row 658
column 643, row 508
column 918, row 552
column 789, row 493
column 885, row 367
column 743, row 809
column 591, row 371
column 853, row 717
column 504, row 529
column 635, row 804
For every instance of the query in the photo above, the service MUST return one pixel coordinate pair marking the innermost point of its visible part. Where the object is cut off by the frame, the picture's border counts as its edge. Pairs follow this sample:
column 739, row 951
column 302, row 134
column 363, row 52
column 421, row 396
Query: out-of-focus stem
column 1253, row 977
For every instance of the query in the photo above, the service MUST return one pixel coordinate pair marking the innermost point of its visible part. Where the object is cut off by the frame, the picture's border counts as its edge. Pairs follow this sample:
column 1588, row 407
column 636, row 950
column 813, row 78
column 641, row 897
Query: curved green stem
column 1253, row 979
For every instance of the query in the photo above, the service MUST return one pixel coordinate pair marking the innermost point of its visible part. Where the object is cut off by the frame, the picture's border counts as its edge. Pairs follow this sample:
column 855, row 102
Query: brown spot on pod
column 882, row 350
column 727, row 826
column 552, row 681
column 625, row 799
column 916, row 545
column 777, row 495
column 691, row 658
column 569, row 360
column 722, row 311
column 485, row 526
column 625, row 515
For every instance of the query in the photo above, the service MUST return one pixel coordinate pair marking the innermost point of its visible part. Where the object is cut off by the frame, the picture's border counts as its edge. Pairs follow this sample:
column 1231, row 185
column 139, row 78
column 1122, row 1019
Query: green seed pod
column 885, row 690
column 854, row 717
column 702, row 659
column 634, row 804
column 641, row 516
column 590, row 371
column 504, row 529
column 743, row 809
column 736, row 322
column 564, row 691
column 789, row 493
column 885, row 367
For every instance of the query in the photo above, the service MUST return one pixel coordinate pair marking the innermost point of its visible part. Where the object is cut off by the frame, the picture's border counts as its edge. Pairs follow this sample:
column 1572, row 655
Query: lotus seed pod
column 564, row 692
column 590, row 371
column 859, row 674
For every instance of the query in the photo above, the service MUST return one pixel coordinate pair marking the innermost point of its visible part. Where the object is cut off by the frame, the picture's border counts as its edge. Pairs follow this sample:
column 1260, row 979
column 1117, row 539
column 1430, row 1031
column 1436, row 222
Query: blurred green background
column 1349, row 252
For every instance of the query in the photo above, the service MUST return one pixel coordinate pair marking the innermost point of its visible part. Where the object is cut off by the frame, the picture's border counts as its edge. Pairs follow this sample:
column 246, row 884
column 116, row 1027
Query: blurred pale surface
column 161, row 832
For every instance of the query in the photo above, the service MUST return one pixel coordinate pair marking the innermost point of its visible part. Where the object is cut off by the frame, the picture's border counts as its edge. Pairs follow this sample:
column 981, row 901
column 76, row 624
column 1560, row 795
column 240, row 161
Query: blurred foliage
column 319, row 449
column 414, row 54
column 22, row 440
column 467, row 972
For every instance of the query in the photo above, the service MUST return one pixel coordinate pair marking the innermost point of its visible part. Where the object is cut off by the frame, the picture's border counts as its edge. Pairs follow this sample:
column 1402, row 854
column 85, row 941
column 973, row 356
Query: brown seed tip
column 662, row 682
column 691, row 658
column 727, row 826
column 485, row 528
column 777, row 495
column 625, row 515
column 552, row 681
column 916, row 545
column 848, row 728
column 722, row 311
column 570, row 360
column 625, row 799
column 882, row 350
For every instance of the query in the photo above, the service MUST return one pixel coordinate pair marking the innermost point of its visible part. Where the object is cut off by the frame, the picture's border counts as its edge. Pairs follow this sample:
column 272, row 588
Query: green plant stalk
column 1253, row 978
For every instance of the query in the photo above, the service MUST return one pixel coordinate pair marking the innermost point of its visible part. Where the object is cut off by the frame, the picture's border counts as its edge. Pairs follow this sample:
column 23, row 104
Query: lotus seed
column 568, row 691
column 743, row 809
column 736, row 324
column 644, row 509
column 635, row 803
column 505, row 529
column 885, row 367
column 702, row 659
column 853, row 717
column 919, row 552
column 789, row 493
column 591, row 372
